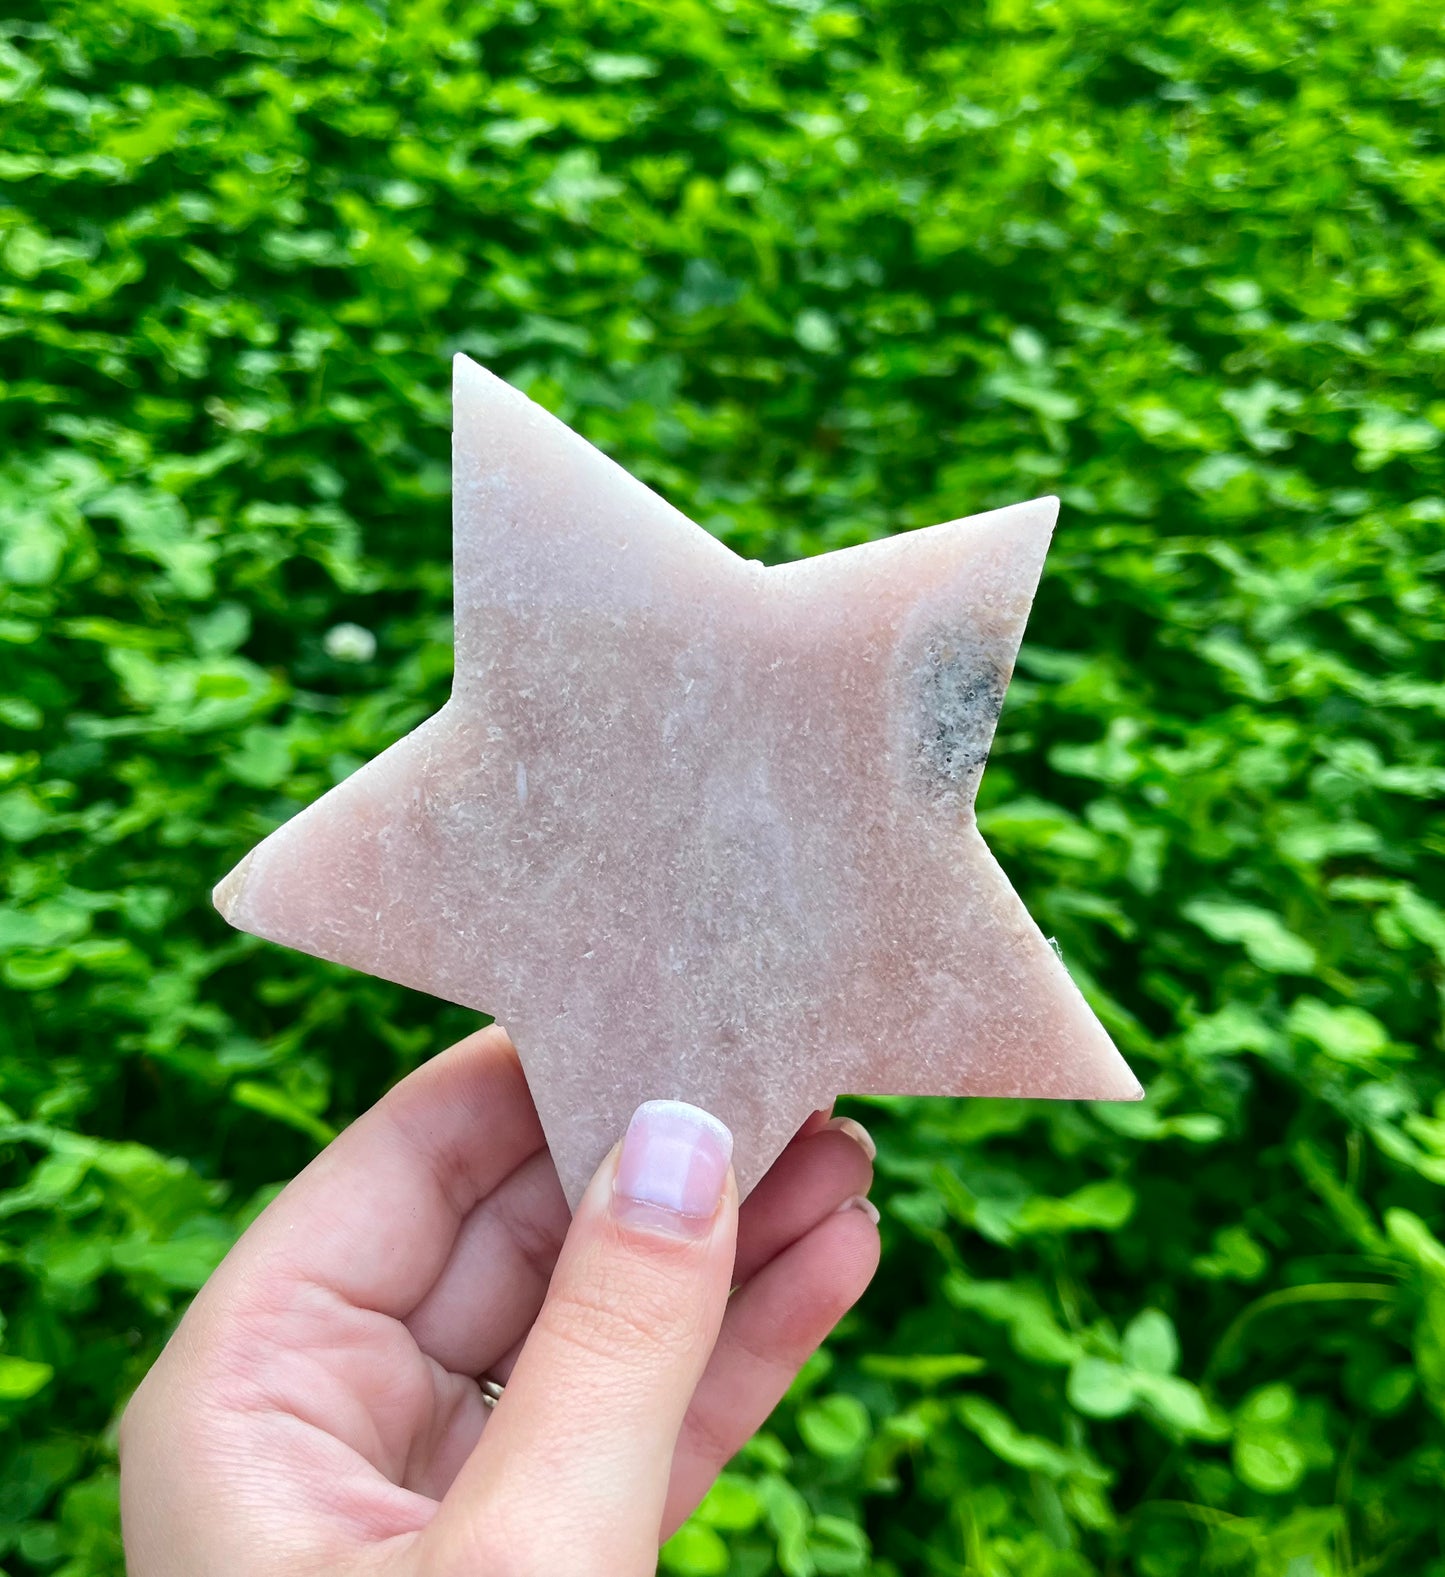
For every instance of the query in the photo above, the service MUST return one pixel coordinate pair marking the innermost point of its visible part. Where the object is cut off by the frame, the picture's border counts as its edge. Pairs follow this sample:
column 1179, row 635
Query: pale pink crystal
column 691, row 828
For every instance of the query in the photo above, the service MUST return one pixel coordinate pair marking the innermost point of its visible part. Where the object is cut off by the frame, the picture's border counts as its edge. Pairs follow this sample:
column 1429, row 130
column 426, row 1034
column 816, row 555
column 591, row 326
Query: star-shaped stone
column 690, row 827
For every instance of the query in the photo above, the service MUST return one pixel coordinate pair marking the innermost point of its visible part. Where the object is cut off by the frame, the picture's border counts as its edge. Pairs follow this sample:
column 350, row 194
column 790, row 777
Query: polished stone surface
column 691, row 828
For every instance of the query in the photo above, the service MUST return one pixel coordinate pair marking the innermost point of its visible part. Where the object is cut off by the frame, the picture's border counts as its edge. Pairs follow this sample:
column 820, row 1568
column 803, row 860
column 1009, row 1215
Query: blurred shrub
column 817, row 271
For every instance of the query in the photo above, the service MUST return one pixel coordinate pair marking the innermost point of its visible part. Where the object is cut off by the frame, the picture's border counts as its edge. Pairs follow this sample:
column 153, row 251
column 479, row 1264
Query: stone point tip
column 465, row 371
column 226, row 894
column 1010, row 521
column 1042, row 511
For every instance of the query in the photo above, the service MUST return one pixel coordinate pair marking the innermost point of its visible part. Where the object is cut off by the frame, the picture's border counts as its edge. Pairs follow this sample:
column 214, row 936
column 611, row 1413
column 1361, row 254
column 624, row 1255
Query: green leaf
column 264, row 760
column 1106, row 1205
column 1348, row 1033
column 1263, row 935
column 732, row 1504
column 1003, row 1437
column 183, row 1263
column 32, row 551
column 1182, row 1406
column 1101, row 1389
column 1390, row 1391
column 37, row 971
column 271, row 1101
column 608, row 67
column 695, row 1551
column 923, row 1369
column 837, row 1545
column 1025, row 1311
column 1415, row 1240
column 1236, row 1256
column 815, row 331
column 835, row 1426
column 1385, row 434
column 1150, row 1343
column 1270, row 1462
column 1270, row 1454
column 21, row 1378
column 23, row 815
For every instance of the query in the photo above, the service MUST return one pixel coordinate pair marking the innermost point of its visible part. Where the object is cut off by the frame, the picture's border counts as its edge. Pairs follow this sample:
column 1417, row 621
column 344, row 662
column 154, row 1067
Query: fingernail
column 815, row 1121
column 861, row 1202
column 673, row 1168
column 856, row 1132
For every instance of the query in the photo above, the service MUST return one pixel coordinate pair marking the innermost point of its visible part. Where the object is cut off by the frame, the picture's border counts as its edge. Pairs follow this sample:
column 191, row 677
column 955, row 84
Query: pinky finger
column 773, row 1323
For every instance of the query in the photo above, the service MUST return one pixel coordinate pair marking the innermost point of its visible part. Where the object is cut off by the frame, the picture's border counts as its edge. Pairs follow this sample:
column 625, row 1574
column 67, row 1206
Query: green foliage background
column 816, row 270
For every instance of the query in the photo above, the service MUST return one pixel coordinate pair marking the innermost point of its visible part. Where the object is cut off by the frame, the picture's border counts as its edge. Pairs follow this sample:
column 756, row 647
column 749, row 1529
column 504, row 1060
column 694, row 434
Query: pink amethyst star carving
column 691, row 827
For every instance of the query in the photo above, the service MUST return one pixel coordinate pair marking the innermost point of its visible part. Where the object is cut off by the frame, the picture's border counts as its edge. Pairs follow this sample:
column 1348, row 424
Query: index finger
column 374, row 1216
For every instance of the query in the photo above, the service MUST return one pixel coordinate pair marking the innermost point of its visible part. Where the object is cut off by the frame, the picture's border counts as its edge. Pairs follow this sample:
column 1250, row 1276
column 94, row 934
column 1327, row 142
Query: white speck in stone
column 521, row 784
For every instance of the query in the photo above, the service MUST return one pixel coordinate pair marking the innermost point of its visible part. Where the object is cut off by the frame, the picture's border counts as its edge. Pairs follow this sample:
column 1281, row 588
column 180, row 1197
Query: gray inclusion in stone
column 960, row 694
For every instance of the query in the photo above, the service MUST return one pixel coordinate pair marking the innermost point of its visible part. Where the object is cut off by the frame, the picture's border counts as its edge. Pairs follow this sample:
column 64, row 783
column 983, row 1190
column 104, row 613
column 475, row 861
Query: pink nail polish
column 673, row 1168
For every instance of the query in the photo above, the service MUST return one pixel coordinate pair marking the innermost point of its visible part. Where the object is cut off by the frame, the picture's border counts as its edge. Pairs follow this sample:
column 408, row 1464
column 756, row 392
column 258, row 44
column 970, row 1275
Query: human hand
column 317, row 1410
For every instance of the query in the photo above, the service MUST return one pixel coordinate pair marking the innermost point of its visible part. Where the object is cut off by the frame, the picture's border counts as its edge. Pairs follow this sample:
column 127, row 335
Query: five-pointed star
column 691, row 827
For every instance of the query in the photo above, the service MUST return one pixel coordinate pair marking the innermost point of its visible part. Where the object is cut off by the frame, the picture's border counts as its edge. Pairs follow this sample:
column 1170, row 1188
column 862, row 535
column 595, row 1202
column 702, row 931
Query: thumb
column 572, row 1469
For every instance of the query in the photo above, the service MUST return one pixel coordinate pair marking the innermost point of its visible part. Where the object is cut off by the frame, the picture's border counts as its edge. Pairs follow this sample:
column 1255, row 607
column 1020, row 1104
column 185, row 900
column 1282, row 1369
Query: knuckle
column 612, row 1317
column 712, row 1437
column 595, row 1325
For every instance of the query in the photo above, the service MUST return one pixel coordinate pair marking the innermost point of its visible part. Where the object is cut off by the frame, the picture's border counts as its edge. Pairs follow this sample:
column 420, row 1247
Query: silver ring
column 491, row 1392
